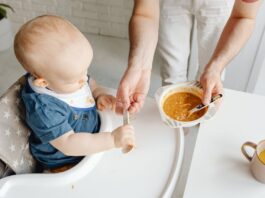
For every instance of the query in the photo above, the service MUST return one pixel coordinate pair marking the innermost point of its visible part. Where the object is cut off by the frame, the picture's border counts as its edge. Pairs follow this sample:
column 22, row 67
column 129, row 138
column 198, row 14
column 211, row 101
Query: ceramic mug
column 257, row 166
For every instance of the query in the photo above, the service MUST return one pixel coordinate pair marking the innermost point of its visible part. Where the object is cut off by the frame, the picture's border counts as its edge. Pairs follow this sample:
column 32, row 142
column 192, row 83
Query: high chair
column 14, row 133
column 151, row 169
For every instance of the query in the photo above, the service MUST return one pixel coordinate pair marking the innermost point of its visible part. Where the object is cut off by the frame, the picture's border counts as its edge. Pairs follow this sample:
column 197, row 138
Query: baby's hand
column 124, row 137
column 106, row 101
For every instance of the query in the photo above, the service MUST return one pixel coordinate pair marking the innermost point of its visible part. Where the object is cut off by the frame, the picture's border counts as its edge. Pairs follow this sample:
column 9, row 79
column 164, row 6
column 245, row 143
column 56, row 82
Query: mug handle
column 243, row 149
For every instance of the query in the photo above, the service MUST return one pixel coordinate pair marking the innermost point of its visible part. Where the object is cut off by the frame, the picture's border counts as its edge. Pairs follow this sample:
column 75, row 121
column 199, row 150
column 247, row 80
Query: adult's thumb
column 207, row 94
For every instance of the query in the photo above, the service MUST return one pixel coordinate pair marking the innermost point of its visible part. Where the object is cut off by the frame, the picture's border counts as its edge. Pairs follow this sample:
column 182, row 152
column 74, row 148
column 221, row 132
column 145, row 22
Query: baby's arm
column 103, row 99
column 81, row 144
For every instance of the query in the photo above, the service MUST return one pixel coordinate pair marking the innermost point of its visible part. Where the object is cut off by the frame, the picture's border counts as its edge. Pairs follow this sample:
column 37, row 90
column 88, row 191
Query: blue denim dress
column 48, row 119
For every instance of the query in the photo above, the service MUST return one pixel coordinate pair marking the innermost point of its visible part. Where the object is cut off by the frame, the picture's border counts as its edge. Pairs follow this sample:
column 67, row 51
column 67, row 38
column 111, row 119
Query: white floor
column 108, row 65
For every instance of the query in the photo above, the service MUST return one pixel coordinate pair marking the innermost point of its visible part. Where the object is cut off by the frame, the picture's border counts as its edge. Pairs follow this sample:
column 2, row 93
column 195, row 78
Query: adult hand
column 133, row 89
column 211, row 84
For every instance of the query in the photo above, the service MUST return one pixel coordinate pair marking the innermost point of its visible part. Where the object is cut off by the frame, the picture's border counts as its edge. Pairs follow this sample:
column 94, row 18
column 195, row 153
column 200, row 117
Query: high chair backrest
column 14, row 133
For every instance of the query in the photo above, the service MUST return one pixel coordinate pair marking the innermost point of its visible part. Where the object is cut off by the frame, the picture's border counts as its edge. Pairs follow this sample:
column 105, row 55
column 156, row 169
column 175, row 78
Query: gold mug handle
column 243, row 149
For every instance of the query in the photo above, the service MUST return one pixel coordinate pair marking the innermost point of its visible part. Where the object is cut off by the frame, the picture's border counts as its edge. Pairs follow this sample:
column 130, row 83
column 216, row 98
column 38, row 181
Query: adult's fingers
column 207, row 92
column 122, row 96
column 140, row 98
column 219, row 90
column 137, row 104
column 134, row 108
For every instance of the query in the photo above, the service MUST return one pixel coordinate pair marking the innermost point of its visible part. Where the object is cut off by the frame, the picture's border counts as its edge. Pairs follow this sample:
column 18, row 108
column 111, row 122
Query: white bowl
column 193, row 87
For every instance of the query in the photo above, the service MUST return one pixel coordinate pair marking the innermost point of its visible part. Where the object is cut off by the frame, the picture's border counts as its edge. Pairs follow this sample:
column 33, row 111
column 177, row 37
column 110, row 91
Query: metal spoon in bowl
column 202, row 106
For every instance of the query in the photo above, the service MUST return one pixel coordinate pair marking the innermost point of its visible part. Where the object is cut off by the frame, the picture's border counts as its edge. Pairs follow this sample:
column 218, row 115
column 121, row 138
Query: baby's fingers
column 127, row 148
column 112, row 102
column 101, row 106
column 103, row 103
column 128, row 141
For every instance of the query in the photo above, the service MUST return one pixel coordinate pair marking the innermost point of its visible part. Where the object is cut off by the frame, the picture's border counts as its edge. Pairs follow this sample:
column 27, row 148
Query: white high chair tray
column 149, row 170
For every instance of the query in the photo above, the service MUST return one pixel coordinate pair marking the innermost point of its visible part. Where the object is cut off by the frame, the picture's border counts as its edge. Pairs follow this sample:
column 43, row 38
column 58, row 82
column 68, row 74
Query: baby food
column 177, row 106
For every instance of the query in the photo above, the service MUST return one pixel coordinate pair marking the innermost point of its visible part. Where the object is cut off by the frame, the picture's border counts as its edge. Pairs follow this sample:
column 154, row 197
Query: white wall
column 242, row 72
column 104, row 17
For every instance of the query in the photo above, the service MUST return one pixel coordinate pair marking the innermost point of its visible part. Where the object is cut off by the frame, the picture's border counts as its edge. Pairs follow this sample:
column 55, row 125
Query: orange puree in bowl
column 177, row 106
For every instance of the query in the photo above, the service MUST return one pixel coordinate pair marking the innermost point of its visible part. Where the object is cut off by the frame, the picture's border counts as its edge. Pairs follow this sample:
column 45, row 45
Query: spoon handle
column 216, row 97
column 126, row 120
column 201, row 106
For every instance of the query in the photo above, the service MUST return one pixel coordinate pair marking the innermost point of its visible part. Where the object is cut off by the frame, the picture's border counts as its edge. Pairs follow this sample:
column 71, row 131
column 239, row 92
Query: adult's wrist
column 214, row 66
column 143, row 62
column 139, row 67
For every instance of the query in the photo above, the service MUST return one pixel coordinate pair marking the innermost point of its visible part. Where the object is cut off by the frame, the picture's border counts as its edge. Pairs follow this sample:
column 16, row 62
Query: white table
column 150, row 170
column 218, row 169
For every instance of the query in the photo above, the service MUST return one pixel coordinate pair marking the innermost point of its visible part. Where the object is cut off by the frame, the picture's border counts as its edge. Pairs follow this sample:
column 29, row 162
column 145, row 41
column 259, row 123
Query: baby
column 60, row 97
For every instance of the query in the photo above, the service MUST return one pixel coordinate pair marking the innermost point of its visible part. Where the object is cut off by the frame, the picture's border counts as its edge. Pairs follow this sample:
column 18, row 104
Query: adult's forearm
column 143, row 33
column 235, row 34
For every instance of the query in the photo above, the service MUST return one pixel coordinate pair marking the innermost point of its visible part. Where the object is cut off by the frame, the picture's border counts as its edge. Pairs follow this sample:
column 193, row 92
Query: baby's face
column 69, row 84
column 71, row 71
column 66, row 70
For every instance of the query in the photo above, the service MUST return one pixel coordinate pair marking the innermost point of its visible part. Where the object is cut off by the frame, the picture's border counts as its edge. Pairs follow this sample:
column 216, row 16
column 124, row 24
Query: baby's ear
column 40, row 82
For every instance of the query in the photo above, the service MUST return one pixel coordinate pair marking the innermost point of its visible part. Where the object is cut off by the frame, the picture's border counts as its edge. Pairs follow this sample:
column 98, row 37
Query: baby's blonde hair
column 38, row 41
